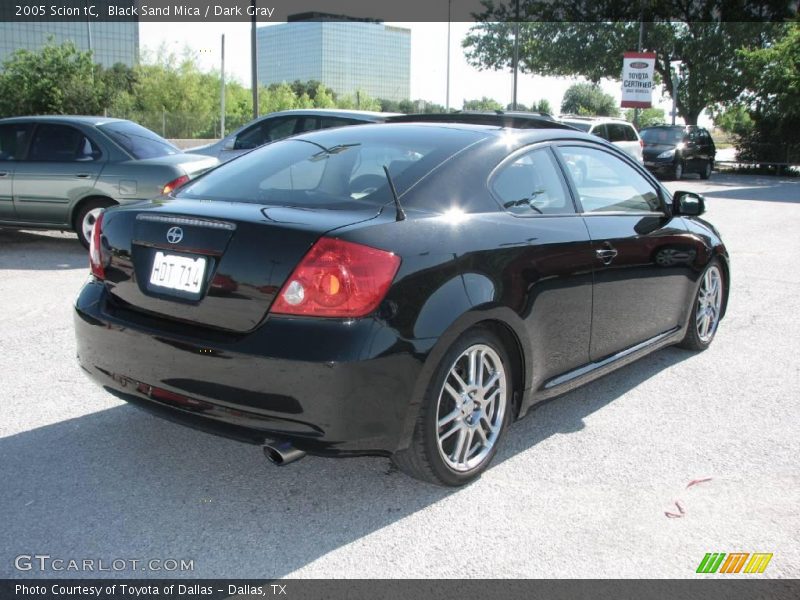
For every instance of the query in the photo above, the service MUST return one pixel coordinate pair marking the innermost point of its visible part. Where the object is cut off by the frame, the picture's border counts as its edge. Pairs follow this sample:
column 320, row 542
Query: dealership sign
column 637, row 79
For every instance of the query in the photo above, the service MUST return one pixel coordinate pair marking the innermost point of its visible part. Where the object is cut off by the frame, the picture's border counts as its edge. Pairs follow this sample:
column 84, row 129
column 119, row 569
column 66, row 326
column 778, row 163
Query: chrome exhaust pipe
column 282, row 453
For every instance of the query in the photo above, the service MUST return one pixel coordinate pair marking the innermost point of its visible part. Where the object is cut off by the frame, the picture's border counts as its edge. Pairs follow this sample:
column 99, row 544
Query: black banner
column 410, row 10
column 322, row 589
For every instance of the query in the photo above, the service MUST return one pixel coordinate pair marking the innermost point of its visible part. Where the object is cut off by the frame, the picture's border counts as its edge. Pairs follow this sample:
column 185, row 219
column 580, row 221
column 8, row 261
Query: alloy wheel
column 471, row 408
column 88, row 222
column 709, row 302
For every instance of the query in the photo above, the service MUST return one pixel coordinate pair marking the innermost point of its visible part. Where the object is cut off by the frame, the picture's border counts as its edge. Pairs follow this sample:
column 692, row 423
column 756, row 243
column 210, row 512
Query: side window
column 630, row 134
column 279, row 129
column 307, row 124
column 62, row 143
column 606, row 183
column 250, row 138
column 14, row 140
column 532, row 184
column 601, row 131
column 326, row 122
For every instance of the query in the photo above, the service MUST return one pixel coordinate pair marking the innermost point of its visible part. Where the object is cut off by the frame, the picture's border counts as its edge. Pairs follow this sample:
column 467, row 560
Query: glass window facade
column 112, row 42
column 344, row 55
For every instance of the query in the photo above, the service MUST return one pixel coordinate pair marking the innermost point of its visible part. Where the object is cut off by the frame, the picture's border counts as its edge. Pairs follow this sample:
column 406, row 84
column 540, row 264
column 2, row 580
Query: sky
column 428, row 63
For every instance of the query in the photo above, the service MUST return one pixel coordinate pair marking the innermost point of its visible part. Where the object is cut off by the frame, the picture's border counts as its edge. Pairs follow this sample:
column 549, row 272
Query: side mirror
column 688, row 203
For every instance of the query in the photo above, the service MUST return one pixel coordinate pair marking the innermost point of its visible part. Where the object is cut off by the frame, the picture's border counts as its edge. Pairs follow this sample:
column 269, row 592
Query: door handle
column 3, row 173
column 606, row 255
column 82, row 175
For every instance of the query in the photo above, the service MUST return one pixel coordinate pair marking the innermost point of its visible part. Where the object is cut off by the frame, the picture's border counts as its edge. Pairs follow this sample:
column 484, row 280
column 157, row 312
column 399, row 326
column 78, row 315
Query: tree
column 771, row 100
column 733, row 119
column 592, row 48
column 647, row 117
column 323, row 97
column 57, row 79
column 588, row 99
column 542, row 106
column 520, row 106
column 483, row 104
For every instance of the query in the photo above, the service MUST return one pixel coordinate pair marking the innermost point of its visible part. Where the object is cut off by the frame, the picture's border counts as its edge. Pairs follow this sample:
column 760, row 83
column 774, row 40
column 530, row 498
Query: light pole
column 447, row 100
column 516, row 55
column 254, row 60
column 222, row 93
column 674, row 65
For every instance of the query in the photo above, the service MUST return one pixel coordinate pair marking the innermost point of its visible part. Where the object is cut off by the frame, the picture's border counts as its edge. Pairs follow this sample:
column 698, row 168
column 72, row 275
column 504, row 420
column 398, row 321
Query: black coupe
column 405, row 290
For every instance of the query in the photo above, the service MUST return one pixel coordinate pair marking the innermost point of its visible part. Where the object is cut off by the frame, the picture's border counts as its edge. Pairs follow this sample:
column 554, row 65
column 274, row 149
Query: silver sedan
column 60, row 172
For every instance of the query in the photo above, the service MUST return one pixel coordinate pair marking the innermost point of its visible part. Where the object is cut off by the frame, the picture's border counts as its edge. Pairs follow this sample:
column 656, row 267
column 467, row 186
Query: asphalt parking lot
column 598, row 483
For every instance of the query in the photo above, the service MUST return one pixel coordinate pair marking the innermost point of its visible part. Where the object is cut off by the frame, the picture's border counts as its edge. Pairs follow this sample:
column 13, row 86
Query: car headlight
column 667, row 154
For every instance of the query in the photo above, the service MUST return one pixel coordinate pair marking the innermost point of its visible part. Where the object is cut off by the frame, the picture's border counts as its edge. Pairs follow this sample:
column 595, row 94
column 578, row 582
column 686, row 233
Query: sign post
column 637, row 79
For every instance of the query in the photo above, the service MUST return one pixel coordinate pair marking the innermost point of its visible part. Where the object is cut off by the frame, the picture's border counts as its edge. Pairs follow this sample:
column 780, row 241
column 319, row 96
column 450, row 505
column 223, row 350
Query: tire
column 706, row 172
column 677, row 170
column 454, row 454
column 86, row 216
column 700, row 332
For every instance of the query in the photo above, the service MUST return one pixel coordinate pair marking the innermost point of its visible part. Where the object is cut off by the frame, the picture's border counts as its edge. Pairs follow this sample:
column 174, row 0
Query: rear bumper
column 329, row 387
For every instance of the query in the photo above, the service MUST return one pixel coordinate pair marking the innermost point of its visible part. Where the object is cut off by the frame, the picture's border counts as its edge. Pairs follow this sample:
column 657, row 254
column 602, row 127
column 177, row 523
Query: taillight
column 641, row 143
column 174, row 184
column 337, row 279
column 95, row 250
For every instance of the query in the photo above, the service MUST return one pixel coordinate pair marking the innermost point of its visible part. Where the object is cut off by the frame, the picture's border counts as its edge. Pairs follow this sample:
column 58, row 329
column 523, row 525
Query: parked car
column 61, row 172
column 617, row 131
column 405, row 289
column 278, row 125
column 673, row 150
column 499, row 118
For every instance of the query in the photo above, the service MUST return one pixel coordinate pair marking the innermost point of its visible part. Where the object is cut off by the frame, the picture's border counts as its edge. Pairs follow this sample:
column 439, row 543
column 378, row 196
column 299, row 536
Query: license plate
column 178, row 272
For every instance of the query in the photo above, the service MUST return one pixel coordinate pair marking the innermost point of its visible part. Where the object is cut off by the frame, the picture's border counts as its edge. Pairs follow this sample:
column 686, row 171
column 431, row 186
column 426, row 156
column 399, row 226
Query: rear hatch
column 211, row 263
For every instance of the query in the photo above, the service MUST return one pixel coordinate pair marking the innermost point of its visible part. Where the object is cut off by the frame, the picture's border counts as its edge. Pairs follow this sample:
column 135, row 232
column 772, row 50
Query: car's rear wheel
column 677, row 170
column 706, row 309
column 86, row 217
column 464, row 413
column 706, row 172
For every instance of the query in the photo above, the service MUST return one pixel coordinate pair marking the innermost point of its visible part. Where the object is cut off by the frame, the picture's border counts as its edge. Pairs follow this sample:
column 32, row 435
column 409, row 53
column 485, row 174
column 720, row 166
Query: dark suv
column 672, row 150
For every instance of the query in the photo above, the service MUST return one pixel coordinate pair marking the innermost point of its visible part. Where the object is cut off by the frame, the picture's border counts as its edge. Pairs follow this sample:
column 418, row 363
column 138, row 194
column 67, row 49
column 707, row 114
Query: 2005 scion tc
column 405, row 290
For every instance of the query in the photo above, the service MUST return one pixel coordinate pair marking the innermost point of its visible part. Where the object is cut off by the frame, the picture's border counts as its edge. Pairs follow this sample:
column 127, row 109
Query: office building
column 111, row 42
column 345, row 55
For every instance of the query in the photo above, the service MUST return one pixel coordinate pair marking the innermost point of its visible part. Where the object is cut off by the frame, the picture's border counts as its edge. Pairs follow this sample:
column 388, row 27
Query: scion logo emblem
column 174, row 235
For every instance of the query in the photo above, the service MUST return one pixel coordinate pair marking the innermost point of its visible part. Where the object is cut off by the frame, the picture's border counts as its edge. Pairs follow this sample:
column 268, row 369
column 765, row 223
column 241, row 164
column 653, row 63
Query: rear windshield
column 138, row 142
column 327, row 169
column 660, row 135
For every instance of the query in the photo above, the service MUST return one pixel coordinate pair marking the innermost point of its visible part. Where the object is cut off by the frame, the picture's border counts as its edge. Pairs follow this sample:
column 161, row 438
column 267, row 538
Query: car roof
column 84, row 119
column 512, row 137
column 332, row 112
column 676, row 127
column 515, row 119
column 581, row 118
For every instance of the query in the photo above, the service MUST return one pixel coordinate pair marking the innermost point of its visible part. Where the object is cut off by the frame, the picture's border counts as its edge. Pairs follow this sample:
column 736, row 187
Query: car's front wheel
column 464, row 413
column 706, row 173
column 706, row 309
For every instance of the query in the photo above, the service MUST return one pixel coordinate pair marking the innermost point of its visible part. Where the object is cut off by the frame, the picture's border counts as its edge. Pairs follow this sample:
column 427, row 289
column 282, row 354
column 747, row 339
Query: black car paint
column 693, row 154
column 342, row 387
